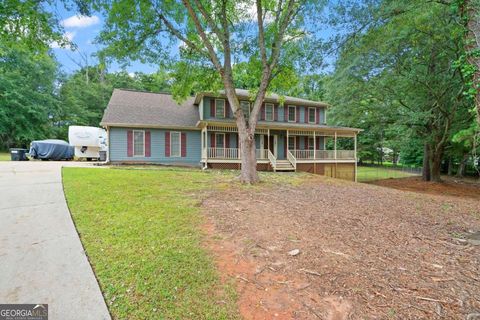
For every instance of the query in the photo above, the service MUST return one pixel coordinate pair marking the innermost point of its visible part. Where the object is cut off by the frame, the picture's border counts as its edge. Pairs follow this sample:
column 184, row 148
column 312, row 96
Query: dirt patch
column 365, row 251
column 449, row 187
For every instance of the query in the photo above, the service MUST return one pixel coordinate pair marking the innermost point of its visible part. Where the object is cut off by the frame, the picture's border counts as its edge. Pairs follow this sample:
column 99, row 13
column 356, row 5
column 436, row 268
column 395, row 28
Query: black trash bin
column 18, row 154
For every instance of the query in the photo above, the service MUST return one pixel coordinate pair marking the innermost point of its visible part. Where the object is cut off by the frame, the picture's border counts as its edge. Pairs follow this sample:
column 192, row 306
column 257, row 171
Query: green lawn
column 366, row 174
column 4, row 156
column 141, row 229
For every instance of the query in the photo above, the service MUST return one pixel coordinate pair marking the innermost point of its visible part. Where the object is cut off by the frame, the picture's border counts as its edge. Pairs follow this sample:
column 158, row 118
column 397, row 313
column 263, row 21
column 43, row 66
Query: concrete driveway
column 41, row 256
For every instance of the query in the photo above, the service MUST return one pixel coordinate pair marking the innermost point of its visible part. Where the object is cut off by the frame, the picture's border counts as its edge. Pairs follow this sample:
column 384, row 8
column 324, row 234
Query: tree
column 213, row 35
column 27, row 95
column 403, row 65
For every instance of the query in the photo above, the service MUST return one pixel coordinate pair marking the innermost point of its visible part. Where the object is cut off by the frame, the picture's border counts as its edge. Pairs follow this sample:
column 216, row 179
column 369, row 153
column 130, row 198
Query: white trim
column 179, row 144
column 314, row 115
column 224, row 107
column 262, row 141
column 275, row 145
column 133, row 143
column 295, row 113
column 273, row 111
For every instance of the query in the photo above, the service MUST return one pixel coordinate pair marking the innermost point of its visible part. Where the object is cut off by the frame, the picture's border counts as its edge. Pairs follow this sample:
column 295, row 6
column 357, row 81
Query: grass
column 4, row 156
column 366, row 174
column 141, row 229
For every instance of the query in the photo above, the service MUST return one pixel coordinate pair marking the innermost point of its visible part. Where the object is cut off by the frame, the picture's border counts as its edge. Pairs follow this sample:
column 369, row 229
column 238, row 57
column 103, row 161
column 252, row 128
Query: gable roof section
column 273, row 97
column 145, row 109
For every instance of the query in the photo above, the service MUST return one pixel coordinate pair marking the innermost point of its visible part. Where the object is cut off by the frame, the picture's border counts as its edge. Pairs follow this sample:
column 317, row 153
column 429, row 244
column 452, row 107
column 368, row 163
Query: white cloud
column 80, row 21
column 68, row 36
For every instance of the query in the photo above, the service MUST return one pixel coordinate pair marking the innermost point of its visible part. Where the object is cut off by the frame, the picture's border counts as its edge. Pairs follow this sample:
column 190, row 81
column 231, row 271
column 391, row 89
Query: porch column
column 314, row 146
column 206, row 143
column 355, row 154
column 288, row 150
column 268, row 141
column 335, row 147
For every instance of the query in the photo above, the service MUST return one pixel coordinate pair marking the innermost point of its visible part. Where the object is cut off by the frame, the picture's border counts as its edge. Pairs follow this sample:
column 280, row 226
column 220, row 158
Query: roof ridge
column 144, row 91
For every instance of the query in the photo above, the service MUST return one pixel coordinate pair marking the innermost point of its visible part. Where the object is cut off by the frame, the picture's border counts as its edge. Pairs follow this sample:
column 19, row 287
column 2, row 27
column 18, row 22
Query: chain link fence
column 371, row 172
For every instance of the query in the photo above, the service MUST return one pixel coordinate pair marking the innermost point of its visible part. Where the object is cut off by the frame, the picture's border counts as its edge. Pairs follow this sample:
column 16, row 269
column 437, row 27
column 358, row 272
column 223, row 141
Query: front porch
column 280, row 149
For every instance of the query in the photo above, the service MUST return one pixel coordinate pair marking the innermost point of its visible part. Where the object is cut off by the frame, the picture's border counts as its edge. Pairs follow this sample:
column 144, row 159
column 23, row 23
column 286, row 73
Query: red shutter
column 265, row 142
column 227, row 140
column 262, row 112
column 212, row 108
column 212, row 141
column 285, row 144
column 297, row 109
column 275, row 113
column 238, row 145
column 297, row 143
column 167, row 144
column 129, row 143
column 148, row 148
column 307, row 111
column 317, row 111
column 184, row 144
column 285, row 109
column 317, row 142
column 306, row 143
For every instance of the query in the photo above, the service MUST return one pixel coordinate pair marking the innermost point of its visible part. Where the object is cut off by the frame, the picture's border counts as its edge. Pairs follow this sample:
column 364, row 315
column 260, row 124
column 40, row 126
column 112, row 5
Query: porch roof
column 283, row 126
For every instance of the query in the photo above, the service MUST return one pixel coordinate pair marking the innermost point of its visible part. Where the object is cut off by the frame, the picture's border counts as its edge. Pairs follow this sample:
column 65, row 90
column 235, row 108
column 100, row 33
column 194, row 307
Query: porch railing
column 291, row 158
column 323, row 154
column 223, row 153
column 272, row 159
column 233, row 153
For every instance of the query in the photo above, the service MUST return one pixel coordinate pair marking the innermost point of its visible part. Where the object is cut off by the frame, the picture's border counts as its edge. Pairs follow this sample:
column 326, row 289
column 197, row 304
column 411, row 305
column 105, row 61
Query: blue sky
column 82, row 30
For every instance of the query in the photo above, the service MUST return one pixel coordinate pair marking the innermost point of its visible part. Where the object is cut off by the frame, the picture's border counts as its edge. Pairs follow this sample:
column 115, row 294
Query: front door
column 273, row 145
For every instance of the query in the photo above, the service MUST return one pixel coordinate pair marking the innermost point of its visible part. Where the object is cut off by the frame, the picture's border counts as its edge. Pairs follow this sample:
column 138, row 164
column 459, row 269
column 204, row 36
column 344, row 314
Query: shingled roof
column 145, row 109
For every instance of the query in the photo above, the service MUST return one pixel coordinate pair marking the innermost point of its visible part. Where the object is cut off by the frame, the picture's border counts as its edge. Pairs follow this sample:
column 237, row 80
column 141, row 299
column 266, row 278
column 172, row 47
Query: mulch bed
column 451, row 186
column 365, row 251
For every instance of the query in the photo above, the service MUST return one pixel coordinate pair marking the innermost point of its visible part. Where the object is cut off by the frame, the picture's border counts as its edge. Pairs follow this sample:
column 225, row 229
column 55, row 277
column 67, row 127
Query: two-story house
column 291, row 134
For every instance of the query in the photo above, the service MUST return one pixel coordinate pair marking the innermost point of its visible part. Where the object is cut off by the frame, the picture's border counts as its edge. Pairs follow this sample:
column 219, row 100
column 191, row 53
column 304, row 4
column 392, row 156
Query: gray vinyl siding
column 118, row 147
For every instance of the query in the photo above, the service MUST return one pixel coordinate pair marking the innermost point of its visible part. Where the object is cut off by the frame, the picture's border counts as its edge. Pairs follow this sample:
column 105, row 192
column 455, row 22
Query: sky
column 82, row 31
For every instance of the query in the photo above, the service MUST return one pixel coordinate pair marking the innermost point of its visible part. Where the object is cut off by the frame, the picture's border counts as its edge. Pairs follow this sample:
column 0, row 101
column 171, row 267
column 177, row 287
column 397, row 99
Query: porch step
column 284, row 165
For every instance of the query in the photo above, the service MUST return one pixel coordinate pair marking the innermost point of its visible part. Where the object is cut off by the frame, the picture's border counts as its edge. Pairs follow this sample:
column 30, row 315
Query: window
column 311, row 143
column 220, row 140
column 138, row 143
column 269, row 111
column 292, row 143
column 311, row 115
column 292, row 114
column 245, row 105
column 219, row 108
column 175, row 144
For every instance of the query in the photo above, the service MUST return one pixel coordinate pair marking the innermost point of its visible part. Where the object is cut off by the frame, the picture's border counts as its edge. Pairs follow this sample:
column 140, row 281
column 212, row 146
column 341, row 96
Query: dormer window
column 219, row 108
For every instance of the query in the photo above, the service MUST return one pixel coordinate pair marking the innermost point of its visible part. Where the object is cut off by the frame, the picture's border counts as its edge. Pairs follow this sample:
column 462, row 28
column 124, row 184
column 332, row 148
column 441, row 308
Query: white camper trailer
column 87, row 141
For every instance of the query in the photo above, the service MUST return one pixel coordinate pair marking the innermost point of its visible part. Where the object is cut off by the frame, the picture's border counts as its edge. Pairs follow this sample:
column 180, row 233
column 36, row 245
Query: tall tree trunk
column 462, row 165
column 471, row 12
column 426, row 162
column 450, row 166
column 249, row 160
column 436, row 166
